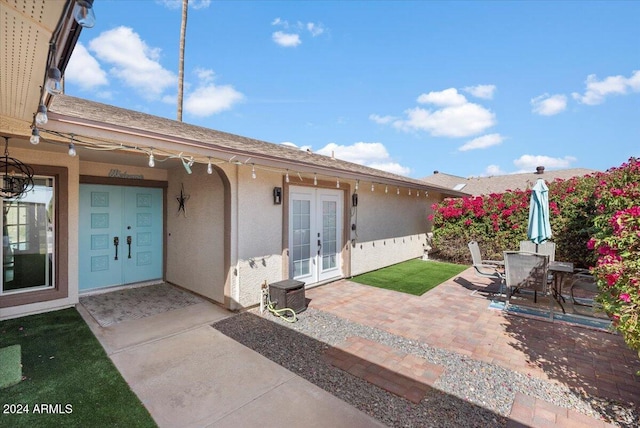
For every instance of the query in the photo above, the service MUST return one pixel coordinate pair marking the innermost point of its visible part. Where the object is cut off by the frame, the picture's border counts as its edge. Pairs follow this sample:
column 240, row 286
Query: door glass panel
column 301, row 249
column 329, row 235
column 28, row 226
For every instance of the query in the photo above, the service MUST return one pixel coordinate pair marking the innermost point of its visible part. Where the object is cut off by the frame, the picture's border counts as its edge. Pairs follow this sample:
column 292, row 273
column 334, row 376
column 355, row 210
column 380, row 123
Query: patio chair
column 486, row 268
column 583, row 280
column 526, row 271
column 547, row 247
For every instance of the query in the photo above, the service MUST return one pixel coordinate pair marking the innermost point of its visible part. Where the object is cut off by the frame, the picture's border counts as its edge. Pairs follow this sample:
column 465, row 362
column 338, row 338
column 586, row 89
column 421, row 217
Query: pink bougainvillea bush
column 616, row 241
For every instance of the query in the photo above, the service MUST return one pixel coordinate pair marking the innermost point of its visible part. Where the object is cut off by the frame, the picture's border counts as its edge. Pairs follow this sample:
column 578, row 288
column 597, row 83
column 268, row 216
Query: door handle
column 129, row 244
column 116, row 242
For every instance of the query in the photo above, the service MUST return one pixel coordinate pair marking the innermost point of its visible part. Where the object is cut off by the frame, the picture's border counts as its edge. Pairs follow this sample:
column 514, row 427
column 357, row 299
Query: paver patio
column 451, row 317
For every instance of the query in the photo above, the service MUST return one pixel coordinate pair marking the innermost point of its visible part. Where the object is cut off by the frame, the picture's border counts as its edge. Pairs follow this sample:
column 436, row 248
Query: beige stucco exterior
column 195, row 237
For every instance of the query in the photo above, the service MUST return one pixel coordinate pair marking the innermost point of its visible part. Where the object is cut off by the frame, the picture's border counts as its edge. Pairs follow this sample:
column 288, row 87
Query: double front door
column 120, row 235
column 315, row 234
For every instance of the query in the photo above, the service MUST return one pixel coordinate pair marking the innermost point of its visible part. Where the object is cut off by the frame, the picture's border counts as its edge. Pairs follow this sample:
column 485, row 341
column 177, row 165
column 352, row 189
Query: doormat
column 135, row 303
column 578, row 320
column 10, row 366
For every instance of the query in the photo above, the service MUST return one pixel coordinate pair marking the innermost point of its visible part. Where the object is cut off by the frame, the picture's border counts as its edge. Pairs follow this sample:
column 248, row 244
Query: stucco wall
column 40, row 156
column 260, row 238
column 100, row 169
column 195, row 242
column 390, row 228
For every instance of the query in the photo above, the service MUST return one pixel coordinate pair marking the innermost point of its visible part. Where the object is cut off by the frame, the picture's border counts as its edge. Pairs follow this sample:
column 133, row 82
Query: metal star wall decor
column 182, row 200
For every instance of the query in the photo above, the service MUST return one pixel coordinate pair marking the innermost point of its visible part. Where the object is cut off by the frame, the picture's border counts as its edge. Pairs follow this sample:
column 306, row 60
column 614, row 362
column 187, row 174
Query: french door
column 120, row 235
column 315, row 234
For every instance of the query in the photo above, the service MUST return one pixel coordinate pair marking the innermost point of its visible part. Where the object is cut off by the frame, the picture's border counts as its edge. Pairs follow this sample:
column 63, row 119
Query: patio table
column 559, row 270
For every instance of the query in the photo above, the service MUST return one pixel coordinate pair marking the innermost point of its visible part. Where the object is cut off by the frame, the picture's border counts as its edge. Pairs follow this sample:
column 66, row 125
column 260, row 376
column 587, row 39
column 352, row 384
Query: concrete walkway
column 188, row 374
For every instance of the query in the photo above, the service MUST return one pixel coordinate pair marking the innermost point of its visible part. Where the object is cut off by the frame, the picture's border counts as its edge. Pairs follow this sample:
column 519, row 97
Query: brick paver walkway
column 450, row 317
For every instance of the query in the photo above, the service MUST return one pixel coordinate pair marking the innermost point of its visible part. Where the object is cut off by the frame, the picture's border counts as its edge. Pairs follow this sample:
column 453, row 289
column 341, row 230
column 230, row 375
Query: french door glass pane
column 301, row 248
column 329, row 235
column 28, row 226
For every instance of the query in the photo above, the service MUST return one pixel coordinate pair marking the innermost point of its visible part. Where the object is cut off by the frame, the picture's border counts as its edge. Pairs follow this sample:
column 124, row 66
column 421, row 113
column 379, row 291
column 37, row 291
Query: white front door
column 315, row 234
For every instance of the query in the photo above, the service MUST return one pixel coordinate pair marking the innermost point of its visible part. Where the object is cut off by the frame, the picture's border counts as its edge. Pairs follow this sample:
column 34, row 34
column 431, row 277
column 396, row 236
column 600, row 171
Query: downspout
column 235, row 303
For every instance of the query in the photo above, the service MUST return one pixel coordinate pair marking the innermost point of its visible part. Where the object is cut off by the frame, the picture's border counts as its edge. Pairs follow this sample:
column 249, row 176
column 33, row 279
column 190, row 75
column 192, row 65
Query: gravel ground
column 469, row 393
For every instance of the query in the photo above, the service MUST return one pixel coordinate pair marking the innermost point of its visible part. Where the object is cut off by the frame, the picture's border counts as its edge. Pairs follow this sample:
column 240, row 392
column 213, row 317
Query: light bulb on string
column 209, row 167
column 315, row 179
column 409, row 192
column 152, row 160
column 53, row 84
column 397, row 190
column 357, row 182
column 373, row 187
column 41, row 115
column 418, row 193
column 83, row 13
column 337, row 183
column 72, row 149
column 35, row 136
column 386, row 189
column 286, row 177
column 253, row 172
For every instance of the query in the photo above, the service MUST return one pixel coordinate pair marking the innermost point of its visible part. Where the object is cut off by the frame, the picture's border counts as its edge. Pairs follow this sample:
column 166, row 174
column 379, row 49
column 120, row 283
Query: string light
column 409, row 192
column 397, row 190
column 41, row 115
column 357, row 182
column 152, row 160
column 209, row 167
column 286, row 177
column 337, row 183
column 253, row 172
column 54, row 81
column 35, row 136
column 373, row 187
column 418, row 193
column 386, row 189
column 72, row 149
column 315, row 179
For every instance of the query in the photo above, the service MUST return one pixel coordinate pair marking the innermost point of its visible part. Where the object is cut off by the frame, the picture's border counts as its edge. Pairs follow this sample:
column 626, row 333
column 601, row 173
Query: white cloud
column 597, row 90
column 456, row 116
column 528, row 163
column 177, row 4
column 481, row 91
column 457, row 121
column 549, row 105
column 392, row 167
column 446, row 98
column 383, row 120
column 315, row 29
column 133, row 62
column 286, row 40
column 292, row 145
column 374, row 155
column 209, row 98
column 84, row 70
column 482, row 142
column 493, row 170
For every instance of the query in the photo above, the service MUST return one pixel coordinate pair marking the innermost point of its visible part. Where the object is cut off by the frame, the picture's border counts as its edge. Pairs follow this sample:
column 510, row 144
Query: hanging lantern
column 17, row 178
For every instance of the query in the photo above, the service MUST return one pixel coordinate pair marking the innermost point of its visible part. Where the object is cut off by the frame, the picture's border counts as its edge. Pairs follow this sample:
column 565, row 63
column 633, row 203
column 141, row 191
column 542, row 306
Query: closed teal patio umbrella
column 539, row 229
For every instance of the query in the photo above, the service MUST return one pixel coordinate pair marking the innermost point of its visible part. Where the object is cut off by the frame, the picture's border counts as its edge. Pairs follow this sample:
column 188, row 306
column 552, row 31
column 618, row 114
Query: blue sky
column 467, row 88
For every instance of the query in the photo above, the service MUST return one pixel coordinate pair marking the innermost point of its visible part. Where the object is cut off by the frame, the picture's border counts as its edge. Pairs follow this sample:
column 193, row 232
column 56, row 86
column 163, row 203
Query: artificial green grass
column 10, row 366
column 68, row 380
column 413, row 276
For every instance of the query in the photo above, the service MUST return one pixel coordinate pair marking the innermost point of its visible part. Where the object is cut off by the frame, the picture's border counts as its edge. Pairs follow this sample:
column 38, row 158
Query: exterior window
column 28, row 233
